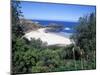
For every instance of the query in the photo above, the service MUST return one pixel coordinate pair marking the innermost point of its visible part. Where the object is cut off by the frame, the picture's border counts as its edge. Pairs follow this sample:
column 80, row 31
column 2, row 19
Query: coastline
column 48, row 37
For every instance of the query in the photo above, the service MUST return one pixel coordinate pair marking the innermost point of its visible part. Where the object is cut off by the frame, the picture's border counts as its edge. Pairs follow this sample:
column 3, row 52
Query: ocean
column 67, row 26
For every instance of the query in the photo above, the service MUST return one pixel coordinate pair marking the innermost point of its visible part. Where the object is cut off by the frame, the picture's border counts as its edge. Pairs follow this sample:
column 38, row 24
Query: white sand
column 49, row 38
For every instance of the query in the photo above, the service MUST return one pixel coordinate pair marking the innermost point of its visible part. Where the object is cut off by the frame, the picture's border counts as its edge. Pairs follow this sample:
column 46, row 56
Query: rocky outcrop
column 29, row 25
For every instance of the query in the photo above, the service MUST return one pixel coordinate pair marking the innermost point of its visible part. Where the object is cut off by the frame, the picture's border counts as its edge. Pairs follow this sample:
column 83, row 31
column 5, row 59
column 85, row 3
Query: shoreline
column 50, row 38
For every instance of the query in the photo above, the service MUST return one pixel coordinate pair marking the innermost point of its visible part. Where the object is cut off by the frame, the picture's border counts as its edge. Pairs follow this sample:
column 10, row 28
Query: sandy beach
column 49, row 38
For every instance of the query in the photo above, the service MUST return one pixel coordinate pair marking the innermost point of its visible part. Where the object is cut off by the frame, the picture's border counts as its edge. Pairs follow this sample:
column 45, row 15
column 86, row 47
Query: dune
column 48, row 37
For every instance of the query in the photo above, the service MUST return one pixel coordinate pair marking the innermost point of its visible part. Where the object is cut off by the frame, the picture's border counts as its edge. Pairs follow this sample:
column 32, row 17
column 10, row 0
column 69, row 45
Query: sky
column 57, row 12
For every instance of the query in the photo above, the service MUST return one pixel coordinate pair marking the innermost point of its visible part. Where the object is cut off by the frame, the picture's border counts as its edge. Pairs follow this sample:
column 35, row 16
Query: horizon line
column 51, row 20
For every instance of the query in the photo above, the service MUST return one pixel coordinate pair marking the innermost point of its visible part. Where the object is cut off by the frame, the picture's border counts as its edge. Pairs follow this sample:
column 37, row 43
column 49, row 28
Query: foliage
column 85, row 38
column 30, row 59
column 34, row 56
column 86, row 33
column 17, row 32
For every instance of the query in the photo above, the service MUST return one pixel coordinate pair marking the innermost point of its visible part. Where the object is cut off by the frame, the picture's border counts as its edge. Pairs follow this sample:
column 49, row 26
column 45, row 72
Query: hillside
column 29, row 25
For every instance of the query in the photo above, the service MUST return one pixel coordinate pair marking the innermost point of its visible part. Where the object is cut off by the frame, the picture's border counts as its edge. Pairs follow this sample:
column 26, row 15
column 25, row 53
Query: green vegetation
column 85, row 38
column 34, row 56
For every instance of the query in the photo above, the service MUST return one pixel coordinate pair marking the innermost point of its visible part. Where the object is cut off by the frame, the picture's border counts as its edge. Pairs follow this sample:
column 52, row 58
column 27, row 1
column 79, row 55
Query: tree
column 17, row 32
column 85, row 36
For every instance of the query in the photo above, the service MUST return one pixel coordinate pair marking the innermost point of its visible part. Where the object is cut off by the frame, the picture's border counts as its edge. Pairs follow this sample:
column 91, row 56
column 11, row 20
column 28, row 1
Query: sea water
column 68, row 26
